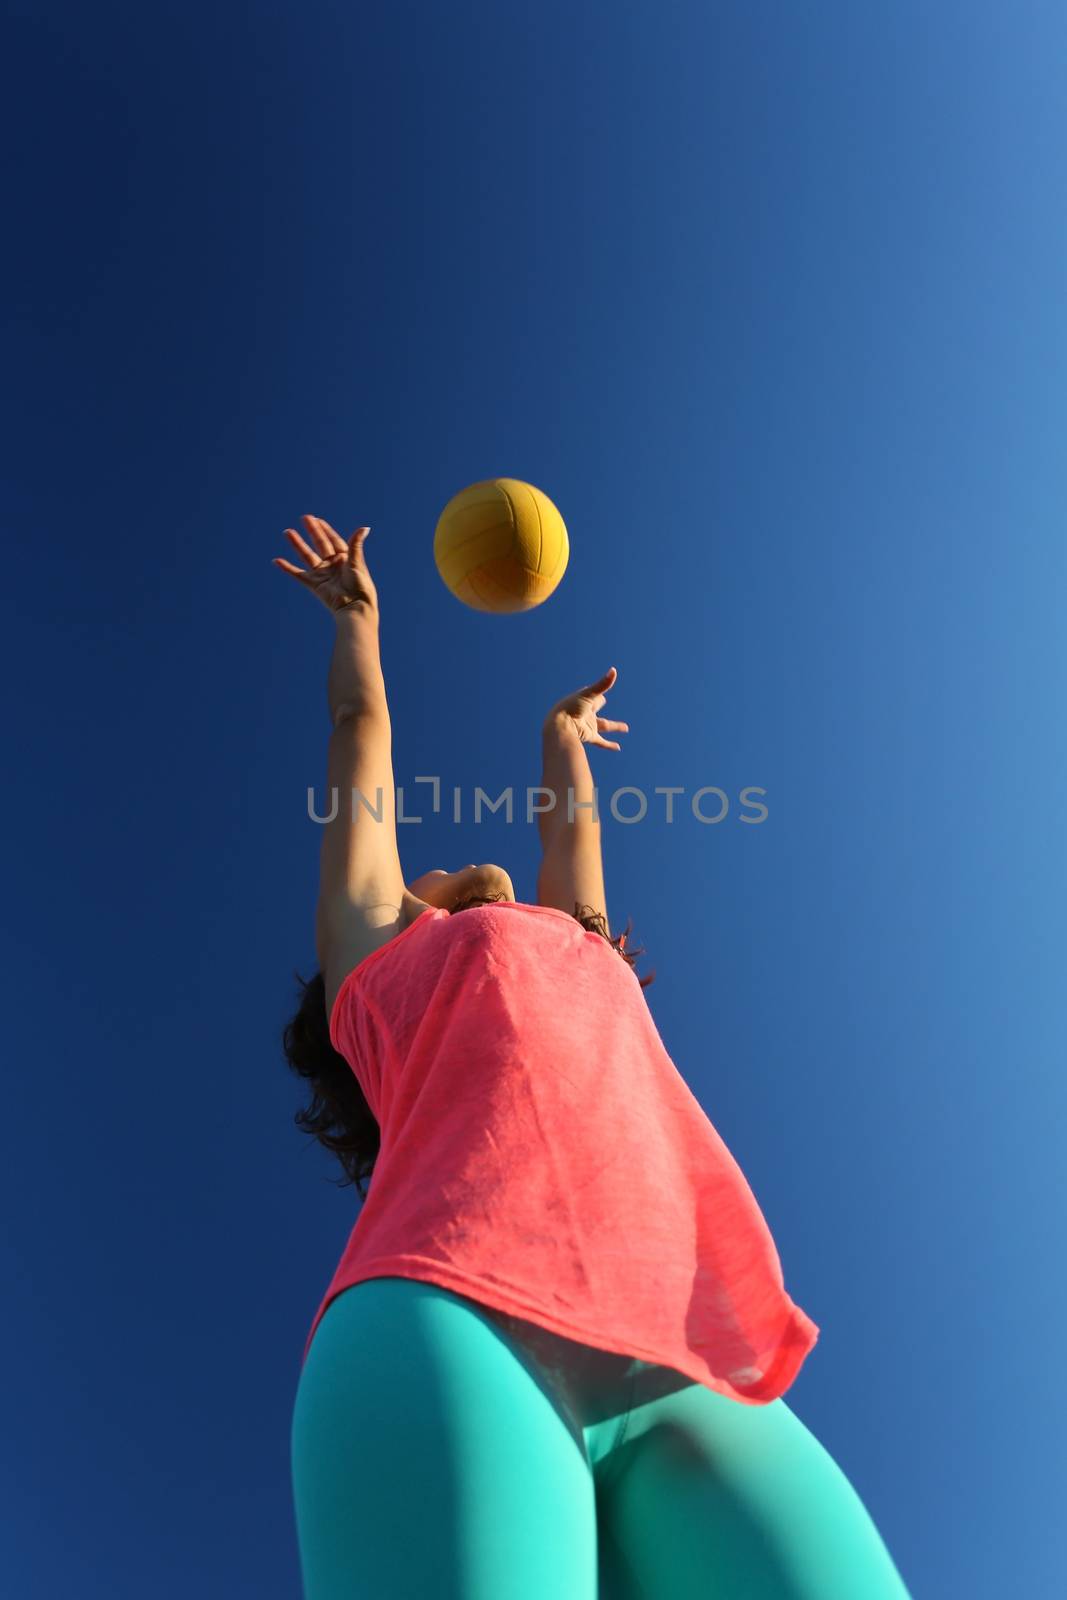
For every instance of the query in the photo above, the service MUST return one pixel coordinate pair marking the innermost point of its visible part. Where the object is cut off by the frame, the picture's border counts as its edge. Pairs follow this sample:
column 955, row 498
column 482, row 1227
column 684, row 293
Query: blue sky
column 769, row 300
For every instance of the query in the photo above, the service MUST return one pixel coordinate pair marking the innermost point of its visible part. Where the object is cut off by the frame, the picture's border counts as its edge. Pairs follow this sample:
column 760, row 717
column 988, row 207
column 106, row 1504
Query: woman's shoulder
column 386, row 939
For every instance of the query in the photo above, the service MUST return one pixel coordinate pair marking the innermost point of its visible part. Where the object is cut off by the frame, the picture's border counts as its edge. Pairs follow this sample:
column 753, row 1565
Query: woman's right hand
column 337, row 574
column 578, row 711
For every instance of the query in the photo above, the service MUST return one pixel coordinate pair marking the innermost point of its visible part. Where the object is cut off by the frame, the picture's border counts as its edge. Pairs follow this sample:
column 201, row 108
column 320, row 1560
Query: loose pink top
column 541, row 1154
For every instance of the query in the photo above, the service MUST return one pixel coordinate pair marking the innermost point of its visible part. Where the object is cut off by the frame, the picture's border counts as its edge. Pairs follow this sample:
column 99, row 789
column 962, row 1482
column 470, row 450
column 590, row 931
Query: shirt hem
column 795, row 1340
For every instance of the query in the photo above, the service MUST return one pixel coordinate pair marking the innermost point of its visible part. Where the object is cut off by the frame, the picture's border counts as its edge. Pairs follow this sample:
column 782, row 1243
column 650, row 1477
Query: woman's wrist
column 566, row 775
column 356, row 611
column 559, row 726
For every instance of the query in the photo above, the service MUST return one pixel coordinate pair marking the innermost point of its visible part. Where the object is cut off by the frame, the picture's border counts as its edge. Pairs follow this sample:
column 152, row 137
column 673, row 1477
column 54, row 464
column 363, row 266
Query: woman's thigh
column 711, row 1499
column 428, row 1458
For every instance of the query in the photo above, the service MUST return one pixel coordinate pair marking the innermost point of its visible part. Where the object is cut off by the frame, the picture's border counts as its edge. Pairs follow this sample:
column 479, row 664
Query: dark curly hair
column 337, row 1114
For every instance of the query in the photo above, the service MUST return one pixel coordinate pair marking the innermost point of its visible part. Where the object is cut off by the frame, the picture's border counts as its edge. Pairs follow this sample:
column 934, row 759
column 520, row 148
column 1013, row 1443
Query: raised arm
column 572, row 869
column 361, row 884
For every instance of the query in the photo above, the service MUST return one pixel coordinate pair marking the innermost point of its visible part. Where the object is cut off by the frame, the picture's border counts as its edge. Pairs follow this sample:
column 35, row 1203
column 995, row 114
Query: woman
column 552, row 1357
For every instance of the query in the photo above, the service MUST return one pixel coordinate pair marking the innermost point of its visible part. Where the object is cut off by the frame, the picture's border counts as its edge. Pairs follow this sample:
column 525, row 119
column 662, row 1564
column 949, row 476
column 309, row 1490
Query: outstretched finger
column 603, row 683
column 355, row 546
column 287, row 566
column 316, row 527
column 606, row 744
column 340, row 545
column 612, row 727
column 302, row 549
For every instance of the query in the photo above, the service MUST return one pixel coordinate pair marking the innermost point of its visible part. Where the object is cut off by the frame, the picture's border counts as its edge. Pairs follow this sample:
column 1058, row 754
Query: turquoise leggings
column 442, row 1450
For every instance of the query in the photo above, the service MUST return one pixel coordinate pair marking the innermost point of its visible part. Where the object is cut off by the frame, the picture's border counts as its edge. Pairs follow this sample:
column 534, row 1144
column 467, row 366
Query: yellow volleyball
column 501, row 545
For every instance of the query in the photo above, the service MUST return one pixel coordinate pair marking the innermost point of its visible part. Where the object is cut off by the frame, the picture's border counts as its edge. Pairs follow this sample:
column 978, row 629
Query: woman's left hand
column 579, row 710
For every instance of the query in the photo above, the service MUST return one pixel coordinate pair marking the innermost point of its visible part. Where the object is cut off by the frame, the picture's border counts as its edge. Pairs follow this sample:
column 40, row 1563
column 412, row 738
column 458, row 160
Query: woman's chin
column 489, row 879
column 446, row 889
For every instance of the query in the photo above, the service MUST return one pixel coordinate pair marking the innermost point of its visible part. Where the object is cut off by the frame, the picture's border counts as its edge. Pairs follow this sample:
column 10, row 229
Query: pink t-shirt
column 541, row 1154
